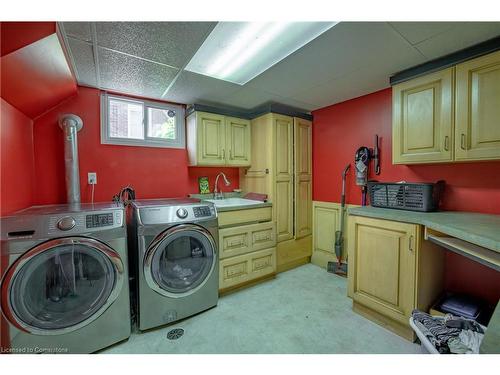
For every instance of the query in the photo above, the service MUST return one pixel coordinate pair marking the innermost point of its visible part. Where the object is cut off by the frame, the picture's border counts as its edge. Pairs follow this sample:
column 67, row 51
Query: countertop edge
column 485, row 242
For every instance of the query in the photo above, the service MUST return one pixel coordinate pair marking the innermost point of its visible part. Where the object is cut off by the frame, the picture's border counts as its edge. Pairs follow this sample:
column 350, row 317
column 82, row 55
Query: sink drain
column 175, row 333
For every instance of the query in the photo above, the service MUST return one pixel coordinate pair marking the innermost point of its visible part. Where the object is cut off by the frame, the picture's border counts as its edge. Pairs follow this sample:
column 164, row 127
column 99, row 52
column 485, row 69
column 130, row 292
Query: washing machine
column 174, row 254
column 64, row 279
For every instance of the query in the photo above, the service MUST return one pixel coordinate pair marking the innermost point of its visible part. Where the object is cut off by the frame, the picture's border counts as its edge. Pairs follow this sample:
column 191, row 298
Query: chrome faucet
column 217, row 194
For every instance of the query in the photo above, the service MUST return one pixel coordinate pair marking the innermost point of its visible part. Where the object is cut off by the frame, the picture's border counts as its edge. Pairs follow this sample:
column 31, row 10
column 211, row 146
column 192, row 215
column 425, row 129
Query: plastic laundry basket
column 427, row 346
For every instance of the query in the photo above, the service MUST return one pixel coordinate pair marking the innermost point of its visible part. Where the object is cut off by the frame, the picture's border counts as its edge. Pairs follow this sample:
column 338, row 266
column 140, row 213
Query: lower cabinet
column 392, row 270
column 247, row 253
column 244, row 268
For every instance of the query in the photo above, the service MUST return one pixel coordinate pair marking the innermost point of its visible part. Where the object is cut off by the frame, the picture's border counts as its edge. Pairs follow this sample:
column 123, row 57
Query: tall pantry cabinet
column 282, row 168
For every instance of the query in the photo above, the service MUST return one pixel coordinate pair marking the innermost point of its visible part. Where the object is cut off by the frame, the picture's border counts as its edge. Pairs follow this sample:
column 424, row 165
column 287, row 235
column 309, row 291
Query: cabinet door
column 303, row 177
column 477, row 120
column 238, row 142
column 211, row 139
column 422, row 119
column 283, row 197
column 241, row 269
column 246, row 238
column 382, row 265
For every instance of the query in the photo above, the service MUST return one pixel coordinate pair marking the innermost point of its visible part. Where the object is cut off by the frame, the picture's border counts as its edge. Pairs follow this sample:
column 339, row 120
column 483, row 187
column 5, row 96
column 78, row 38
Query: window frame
column 180, row 129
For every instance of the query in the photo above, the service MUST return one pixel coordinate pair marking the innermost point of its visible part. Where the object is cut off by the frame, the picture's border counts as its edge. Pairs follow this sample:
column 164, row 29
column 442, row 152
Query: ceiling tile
column 340, row 51
column 358, row 83
column 460, row 36
column 78, row 30
column 171, row 43
column 190, row 88
column 132, row 75
column 415, row 32
column 83, row 58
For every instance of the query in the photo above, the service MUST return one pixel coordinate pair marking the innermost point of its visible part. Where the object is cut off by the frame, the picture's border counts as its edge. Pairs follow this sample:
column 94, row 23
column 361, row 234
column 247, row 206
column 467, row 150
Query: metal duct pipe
column 71, row 124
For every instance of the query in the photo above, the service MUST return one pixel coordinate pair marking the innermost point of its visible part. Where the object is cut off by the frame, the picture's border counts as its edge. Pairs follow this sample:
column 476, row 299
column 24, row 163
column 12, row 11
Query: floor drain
column 175, row 333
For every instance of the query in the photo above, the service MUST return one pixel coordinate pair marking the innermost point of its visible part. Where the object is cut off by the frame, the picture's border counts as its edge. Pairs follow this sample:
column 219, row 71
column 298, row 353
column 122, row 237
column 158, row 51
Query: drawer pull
column 462, row 142
column 446, row 143
column 263, row 238
column 235, row 243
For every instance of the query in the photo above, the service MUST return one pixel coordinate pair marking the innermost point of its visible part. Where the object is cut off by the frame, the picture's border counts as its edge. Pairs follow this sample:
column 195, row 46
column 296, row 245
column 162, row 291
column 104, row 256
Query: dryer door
column 180, row 260
column 61, row 285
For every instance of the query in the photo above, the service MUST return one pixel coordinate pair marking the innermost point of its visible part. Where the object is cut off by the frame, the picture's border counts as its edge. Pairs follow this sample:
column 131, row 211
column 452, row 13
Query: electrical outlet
column 92, row 178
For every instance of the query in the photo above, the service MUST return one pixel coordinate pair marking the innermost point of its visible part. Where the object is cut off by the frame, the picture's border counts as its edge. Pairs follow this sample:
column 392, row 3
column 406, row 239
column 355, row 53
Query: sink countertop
column 479, row 229
column 205, row 197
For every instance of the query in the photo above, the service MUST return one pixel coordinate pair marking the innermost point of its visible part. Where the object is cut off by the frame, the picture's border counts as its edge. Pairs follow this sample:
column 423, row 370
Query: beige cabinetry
column 281, row 168
column 450, row 115
column 303, row 177
column 326, row 220
column 477, row 123
column 247, row 251
column 237, row 141
column 423, row 118
column 216, row 140
column 392, row 271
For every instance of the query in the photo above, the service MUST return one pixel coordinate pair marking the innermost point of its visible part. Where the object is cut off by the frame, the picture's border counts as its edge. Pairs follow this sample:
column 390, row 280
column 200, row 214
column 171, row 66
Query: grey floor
column 304, row 310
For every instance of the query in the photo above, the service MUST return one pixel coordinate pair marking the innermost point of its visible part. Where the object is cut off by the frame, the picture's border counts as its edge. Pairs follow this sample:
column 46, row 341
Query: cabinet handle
column 230, row 155
column 410, row 243
column 223, row 153
column 462, row 142
column 446, row 143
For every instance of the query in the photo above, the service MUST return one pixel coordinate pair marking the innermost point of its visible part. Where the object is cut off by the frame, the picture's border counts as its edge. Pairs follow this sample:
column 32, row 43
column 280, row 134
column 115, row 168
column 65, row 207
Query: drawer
column 245, row 239
column 244, row 268
column 246, row 216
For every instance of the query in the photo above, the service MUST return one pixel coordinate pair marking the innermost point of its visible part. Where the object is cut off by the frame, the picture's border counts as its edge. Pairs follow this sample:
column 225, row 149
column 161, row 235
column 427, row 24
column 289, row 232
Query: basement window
column 132, row 122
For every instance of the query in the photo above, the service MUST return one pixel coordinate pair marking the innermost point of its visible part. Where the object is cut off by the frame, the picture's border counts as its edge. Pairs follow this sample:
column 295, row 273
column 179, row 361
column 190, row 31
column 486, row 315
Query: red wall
column 339, row 130
column 15, row 35
column 17, row 163
column 153, row 172
column 16, row 173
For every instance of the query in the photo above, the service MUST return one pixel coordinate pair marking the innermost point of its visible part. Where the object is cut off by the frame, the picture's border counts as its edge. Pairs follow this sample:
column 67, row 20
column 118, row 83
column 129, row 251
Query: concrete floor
column 304, row 310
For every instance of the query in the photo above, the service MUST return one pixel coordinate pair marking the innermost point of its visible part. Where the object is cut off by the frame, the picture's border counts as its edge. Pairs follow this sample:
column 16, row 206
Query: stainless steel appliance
column 64, row 283
column 174, row 251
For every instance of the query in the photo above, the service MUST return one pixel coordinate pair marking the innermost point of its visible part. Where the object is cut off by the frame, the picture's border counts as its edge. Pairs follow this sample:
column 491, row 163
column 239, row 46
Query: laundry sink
column 230, row 202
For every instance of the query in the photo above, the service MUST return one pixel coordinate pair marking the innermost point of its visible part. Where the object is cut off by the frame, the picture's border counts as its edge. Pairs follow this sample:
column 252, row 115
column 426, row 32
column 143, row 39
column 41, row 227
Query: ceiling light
column 239, row 51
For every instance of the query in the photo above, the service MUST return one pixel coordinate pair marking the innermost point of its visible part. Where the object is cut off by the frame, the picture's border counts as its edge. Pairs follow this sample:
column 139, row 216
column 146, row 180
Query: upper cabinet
column 216, row 140
column 450, row 115
column 238, row 141
column 422, row 119
column 477, row 122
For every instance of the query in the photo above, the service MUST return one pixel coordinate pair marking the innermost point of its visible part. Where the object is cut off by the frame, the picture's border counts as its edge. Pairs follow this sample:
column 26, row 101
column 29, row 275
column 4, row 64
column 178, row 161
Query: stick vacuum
column 338, row 267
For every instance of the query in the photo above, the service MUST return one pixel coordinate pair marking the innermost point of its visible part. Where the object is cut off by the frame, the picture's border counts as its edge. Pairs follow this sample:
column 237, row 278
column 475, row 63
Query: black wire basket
column 424, row 197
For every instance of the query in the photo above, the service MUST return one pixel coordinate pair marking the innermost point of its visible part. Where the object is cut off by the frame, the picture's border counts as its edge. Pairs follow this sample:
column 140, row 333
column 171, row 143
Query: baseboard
column 393, row 326
column 293, row 264
column 246, row 284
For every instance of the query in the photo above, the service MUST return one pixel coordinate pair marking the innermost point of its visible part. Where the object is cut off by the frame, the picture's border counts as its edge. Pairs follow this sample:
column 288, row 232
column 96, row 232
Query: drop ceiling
column 349, row 60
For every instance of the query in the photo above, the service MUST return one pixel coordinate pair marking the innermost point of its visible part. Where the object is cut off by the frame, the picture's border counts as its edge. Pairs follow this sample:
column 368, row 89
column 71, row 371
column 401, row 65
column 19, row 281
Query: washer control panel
column 99, row 220
column 82, row 222
column 66, row 223
column 202, row 211
column 182, row 213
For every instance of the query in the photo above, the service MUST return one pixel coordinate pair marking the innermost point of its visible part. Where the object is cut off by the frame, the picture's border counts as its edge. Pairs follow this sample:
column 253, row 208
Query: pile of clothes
column 450, row 335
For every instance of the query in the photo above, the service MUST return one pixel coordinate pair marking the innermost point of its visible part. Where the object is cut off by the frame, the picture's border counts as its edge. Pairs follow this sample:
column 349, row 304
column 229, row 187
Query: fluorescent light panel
column 239, row 51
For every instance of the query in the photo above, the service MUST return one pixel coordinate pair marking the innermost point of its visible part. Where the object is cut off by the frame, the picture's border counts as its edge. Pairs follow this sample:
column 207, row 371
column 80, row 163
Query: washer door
column 61, row 285
column 180, row 260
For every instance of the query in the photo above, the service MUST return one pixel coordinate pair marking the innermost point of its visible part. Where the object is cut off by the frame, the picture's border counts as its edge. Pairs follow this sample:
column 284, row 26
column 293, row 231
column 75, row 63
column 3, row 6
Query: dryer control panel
column 176, row 214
